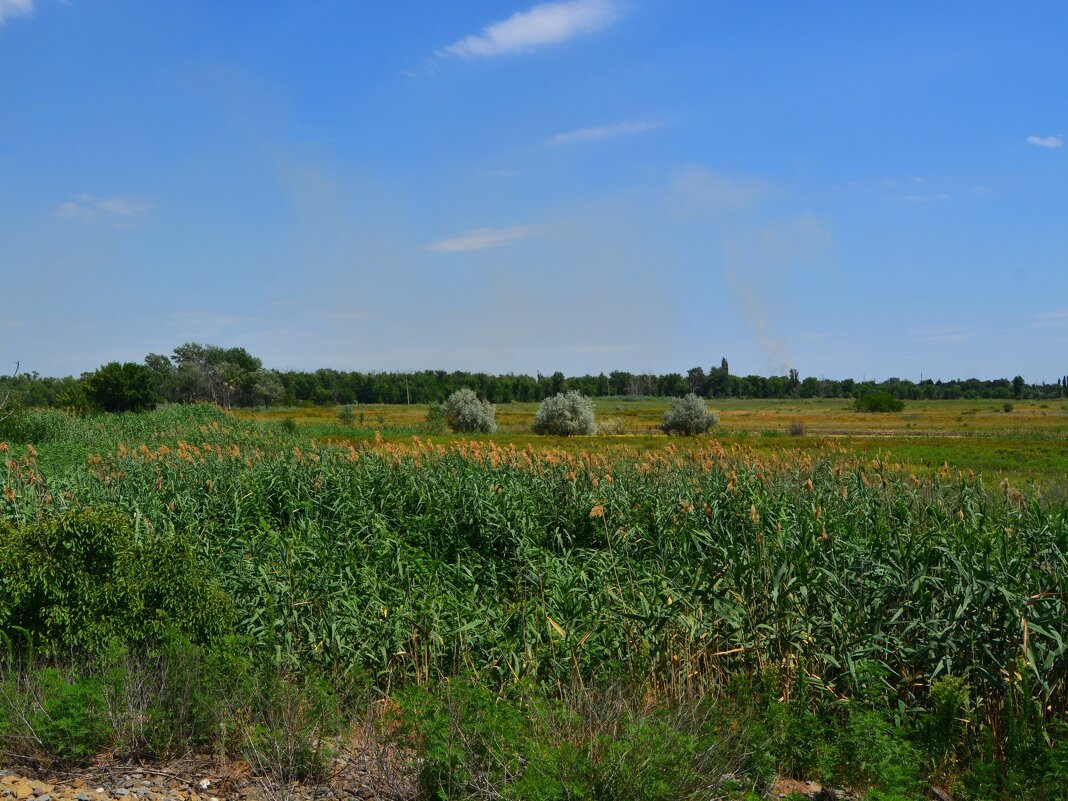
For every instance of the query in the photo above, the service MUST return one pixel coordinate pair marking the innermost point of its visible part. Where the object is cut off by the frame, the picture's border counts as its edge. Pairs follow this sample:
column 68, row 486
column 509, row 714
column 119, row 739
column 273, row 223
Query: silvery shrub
column 565, row 414
column 688, row 416
column 466, row 414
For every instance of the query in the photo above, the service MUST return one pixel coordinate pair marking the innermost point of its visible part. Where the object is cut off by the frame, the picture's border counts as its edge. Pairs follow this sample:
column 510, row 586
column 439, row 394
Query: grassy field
column 1027, row 446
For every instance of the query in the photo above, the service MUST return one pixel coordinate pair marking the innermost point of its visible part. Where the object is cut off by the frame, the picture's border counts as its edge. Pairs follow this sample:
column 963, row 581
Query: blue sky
column 849, row 189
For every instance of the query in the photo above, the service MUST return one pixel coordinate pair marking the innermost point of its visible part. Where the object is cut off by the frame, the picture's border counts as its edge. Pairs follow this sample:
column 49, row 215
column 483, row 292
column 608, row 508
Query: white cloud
column 90, row 207
column 1045, row 141
column 483, row 238
column 604, row 132
column 15, row 8
column 544, row 24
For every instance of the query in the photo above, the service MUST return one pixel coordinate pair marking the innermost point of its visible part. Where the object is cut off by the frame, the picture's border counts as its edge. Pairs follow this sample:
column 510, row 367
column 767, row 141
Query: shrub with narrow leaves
column 466, row 414
column 688, row 416
column 878, row 402
column 564, row 415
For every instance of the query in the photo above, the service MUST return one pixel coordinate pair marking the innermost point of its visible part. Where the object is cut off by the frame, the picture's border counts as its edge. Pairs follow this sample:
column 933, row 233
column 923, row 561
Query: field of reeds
column 573, row 619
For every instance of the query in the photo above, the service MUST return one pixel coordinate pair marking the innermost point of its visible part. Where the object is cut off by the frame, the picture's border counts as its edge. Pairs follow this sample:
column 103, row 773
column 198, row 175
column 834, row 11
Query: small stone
column 120, row 791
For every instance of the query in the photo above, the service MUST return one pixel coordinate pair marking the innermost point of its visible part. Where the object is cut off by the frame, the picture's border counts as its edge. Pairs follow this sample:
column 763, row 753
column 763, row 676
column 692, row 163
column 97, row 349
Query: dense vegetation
column 535, row 624
column 234, row 377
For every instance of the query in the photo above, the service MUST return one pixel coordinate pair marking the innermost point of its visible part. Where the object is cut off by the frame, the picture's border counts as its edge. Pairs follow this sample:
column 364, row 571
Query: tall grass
column 679, row 571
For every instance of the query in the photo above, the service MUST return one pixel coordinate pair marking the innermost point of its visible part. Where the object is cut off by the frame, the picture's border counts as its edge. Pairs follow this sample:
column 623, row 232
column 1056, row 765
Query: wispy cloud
column 945, row 335
column 502, row 172
column 700, row 191
column 351, row 316
column 204, row 321
column 15, row 8
column 484, row 238
column 916, row 198
column 90, row 207
column 1045, row 141
column 604, row 132
column 544, row 24
column 1057, row 317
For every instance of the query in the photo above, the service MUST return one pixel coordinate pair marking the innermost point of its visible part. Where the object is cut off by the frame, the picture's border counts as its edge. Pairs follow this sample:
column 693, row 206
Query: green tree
column 7, row 408
column 1018, row 385
column 163, row 373
column 127, row 387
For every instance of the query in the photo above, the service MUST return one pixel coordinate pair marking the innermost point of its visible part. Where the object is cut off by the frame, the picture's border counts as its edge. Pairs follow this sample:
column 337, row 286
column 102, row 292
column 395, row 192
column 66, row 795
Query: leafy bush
column 565, row 415
column 128, row 387
column 79, row 578
column 688, row 416
column 796, row 428
column 466, row 414
column 71, row 722
column 474, row 743
column 435, row 419
column 287, row 736
column 876, row 755
column 346, row 415
column 878, row 402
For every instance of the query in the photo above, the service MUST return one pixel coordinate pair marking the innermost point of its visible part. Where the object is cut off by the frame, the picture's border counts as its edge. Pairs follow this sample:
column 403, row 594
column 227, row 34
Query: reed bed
column 403, row 564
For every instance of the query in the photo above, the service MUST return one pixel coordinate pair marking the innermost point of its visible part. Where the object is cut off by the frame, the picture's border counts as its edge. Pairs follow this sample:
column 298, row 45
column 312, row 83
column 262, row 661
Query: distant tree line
column 233, row 377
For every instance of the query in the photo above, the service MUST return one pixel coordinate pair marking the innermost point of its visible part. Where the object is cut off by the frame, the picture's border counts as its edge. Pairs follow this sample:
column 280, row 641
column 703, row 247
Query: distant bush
column 435, row 419
column 128, row 387
column 878, row 402
column 565, row 415
column 612, row 425
column 796, row 428
column 1007, row 407
column 465, row 413
column 688, row 416
column 346, row 415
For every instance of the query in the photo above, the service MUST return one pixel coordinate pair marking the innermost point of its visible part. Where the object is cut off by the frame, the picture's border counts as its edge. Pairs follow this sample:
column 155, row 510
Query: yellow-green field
column 1026, row 445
